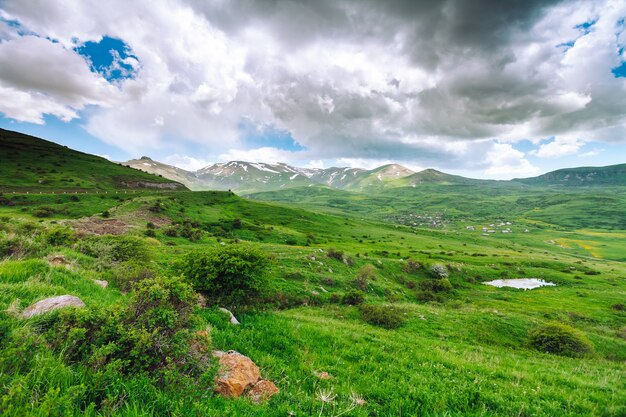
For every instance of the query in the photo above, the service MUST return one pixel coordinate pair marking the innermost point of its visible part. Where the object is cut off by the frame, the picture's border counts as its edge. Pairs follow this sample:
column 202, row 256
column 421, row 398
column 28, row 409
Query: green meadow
column 422, row 348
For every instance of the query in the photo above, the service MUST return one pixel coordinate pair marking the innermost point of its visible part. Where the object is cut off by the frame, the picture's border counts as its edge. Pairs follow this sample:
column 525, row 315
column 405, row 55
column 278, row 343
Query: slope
column 614, row 175
column 146, row 164
column 30, row 164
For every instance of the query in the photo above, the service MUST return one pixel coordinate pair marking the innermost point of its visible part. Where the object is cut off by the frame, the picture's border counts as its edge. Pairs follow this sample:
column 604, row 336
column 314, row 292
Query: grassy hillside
column 614, row 175
column 572, row 208
column 464, row 350
column 32, row 164
column 355, row 304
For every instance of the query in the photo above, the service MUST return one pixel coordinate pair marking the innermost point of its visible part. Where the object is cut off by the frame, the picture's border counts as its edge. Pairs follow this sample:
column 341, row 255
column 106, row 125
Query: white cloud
column 264, row 154
column 591, row 153
column 360, row 82
column 558, row 147
column 40, row 77
column 506, row 162
column 188, row 163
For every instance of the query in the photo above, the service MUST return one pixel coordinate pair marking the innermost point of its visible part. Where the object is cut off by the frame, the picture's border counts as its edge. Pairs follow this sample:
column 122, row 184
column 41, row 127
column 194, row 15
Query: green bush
column 436, row 285
column 411, row 266
column 125, row 274
column 353, row 297
column 20, row 246
column 227, row 274
column 59, row 236
column 429, row 296
column 384, row 316
column 116, row 248
column 335, row 254
column 152, row 333
column 560, row 339
column 44, row 211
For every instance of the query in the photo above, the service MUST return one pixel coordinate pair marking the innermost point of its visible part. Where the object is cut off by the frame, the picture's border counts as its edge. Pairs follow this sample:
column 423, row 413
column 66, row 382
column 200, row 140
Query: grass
column 467, row 354
column 31, row 164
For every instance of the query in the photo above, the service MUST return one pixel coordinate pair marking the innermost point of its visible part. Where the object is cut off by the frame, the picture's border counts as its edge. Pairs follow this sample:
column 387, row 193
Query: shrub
column 411, row 266
column 429, row 296
column 150, row 233
column 116, row 248
column 618, row 307
column 125, row 274
column 560, row 339
column 156, row 207
column 353, row 297
column 364, row 275
column 335, row 254
column 439, row 271
column 436, row 285
column 59, row 236
column 152, row 333
column 44, row 211
column 384, row 316
column 227, row 274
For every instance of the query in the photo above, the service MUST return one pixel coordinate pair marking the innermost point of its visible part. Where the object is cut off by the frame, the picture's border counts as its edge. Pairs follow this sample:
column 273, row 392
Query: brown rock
column 52, row 303
column 262, row 391
column 237, row 373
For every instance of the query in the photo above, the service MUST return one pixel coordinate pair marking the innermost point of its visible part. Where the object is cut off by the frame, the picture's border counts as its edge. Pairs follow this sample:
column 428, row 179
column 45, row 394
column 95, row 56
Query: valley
column 373, row 301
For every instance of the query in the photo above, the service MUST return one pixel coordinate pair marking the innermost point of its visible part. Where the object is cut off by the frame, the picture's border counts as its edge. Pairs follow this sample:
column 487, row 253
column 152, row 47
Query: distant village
column 439, row 220
column 496, row 227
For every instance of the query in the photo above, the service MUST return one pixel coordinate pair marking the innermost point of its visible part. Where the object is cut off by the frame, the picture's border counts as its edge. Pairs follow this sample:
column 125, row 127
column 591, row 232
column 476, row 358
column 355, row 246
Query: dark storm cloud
column 441, row 82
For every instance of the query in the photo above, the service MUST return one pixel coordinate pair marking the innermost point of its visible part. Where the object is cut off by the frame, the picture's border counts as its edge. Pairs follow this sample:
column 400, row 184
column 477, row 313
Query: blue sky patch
column 269, row 136
column 109, row 57
column 619, row 71
column 566, row 45
column 585, row 27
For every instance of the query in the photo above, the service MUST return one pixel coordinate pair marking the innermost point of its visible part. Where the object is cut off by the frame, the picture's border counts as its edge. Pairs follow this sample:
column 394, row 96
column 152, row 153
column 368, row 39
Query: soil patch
column 96, row 226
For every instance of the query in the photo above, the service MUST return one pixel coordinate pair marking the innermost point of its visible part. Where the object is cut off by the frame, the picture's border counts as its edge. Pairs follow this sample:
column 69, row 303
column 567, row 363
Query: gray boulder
column 52, row 303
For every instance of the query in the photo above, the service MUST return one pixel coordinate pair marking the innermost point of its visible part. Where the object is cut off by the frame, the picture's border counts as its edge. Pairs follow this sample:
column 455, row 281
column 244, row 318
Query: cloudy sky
column 483, row 88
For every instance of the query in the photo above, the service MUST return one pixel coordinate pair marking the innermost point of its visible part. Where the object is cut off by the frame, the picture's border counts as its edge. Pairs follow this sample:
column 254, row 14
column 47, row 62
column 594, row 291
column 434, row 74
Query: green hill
column 581, row 176
column 30, row 164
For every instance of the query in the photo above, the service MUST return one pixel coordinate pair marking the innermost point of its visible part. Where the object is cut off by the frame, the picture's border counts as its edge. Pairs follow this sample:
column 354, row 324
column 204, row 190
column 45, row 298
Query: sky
column 481, row 88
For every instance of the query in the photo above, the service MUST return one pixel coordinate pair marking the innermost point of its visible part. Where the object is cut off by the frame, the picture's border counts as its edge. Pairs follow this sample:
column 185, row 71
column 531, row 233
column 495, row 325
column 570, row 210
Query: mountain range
column 35, row 164
column 251, row 177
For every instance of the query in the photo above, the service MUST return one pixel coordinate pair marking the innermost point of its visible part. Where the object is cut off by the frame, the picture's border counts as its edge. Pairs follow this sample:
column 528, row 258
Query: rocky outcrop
column 52, row 303
column 238, row 374
column 155, row 185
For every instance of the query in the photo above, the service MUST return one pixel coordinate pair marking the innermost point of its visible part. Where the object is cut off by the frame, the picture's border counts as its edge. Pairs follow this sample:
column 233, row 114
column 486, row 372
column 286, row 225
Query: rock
column 53, row 303
column 57, row 260
column 233, row 319
column 322, row 374
column 100, row 282
column 237, row 373
column 262, row 391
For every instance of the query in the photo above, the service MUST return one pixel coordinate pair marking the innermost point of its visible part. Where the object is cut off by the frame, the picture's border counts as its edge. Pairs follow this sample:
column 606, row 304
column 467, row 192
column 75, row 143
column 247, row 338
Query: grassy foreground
column 459, row 351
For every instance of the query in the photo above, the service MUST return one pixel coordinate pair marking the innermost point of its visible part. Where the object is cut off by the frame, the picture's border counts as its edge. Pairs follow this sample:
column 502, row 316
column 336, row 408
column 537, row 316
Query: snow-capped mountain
column 248, row 177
